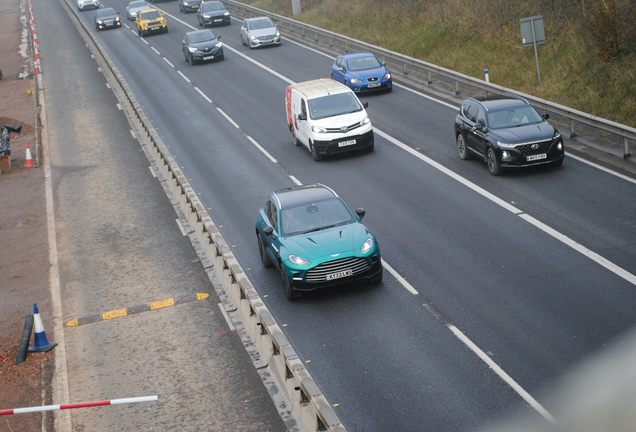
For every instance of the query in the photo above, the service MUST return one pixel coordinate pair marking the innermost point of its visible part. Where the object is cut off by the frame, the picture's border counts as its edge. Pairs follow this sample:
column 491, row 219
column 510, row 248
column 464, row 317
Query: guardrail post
column 572, row 133
column 626, row 150
column 291, row 28
column 457, row 87
column 315, row 36
column 404, row 68
column 303, row 32
column 346, row 48
column 330, row 43
column 430, row 81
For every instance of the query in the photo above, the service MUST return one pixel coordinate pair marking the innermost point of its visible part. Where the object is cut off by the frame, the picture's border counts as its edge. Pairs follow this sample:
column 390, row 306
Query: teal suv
column 315, row 240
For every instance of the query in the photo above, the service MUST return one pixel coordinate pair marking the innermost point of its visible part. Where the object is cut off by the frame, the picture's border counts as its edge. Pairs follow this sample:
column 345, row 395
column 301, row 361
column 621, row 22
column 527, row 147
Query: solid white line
column 203, row 94
column 167, row 61
column 152, row 171
column 602, row 168
column 61, row 388
column 581, row 249
column 228, row 118
column 499, row 371
column 132, row 132
column 399, row 277
column 258, row 146
column 183, row 76
column 226, row 316
column 119, row 107
column 155, row 50
column 183, row 231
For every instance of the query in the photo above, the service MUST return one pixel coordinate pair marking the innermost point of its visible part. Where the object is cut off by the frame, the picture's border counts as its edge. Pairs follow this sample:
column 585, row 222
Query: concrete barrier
column 274, row 350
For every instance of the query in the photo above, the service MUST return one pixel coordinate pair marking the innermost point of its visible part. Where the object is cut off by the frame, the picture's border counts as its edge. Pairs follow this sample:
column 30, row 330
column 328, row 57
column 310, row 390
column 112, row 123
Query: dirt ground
column 24, row 259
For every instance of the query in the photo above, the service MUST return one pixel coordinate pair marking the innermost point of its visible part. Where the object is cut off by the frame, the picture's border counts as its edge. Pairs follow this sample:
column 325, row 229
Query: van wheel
column 314, row 154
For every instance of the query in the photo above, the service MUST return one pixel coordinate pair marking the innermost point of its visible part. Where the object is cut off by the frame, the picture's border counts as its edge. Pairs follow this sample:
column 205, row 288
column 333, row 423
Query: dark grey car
column 212, row 13
column 202, row 45
column 186, row 6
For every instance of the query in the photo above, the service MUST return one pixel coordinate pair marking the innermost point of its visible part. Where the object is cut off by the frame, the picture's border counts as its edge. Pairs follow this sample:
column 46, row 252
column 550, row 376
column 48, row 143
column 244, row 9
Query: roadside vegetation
column 588, row 61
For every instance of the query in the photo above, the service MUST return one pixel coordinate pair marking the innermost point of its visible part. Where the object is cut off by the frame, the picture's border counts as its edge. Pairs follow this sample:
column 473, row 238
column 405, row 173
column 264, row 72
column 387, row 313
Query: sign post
column 296, row 7
column 533, row 34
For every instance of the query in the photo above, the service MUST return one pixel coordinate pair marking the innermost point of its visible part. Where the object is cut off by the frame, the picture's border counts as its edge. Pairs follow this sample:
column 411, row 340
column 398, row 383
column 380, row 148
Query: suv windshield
column 513, row 117
column 138, row 4
column 201, row 37
column 314, row 217
column 333, row 105
column 150, row 15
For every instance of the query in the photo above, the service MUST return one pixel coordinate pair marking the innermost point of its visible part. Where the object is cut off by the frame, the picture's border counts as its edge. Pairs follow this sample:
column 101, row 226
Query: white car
column 259, row 32
column 82, row 5
column 134, row 7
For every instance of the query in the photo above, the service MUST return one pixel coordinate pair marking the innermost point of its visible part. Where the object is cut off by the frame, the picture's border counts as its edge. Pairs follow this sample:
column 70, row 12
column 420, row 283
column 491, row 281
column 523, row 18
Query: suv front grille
column 527, row 150
column 320, row 272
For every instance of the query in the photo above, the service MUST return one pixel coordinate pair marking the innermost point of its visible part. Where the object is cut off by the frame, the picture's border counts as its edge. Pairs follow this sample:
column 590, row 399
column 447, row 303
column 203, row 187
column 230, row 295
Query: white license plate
column 208, row 58
column 536, row 157
column 155, row 28
column 218, row 20
column 375, row 85
column 346, row 143
column 339, row 275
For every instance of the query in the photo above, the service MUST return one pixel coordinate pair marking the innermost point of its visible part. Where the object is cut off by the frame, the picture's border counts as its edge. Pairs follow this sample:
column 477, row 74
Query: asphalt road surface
column 535, row 268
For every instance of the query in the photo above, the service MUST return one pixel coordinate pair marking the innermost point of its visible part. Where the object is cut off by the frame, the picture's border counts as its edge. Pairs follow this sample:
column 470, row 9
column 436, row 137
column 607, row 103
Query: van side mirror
column 365, row 104
column 360, row 212
column 302, row 116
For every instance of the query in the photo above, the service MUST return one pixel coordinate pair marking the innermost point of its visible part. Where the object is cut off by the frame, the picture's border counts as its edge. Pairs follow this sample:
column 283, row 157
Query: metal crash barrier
column 427, row 71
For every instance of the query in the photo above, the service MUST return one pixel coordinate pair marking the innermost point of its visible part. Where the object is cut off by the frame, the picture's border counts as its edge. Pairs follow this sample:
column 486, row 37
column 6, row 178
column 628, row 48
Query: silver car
column 83, row 5
column 134, row 7
column 259, row 31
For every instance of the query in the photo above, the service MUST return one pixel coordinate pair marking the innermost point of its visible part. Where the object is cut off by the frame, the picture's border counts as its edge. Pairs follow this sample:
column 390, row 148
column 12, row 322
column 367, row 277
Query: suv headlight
column 505, row 145
column 318, row 129
column 367, row 245
column 298, row 260
column 556, row 135
column 277, row 34
column 218, row 45
column 192, row 49
column 226, row 13
column 355, row 81
column 387, row 76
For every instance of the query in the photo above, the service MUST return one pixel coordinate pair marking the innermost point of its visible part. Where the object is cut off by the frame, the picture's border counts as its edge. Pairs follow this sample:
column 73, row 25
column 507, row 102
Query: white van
column 327, row 118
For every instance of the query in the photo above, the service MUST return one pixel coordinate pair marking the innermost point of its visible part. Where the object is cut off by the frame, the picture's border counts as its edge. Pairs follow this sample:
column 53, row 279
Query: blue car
column 361, row 72
column 312, row 237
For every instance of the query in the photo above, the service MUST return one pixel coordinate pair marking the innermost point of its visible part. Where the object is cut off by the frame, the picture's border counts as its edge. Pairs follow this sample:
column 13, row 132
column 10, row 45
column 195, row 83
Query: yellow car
column 151, row 21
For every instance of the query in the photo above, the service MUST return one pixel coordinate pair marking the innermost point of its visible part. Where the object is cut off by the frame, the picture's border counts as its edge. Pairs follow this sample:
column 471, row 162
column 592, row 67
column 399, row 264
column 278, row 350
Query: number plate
column 155, row 28
column 346, row 143
column 375, row 85
column 208, row 58
column 339, row 275
column 218, row 20
column 536, row 157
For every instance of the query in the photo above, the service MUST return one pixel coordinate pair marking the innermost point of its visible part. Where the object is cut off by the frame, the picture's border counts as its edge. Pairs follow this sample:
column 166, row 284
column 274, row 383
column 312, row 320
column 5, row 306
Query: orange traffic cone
column 29, row 160
column 37, row 67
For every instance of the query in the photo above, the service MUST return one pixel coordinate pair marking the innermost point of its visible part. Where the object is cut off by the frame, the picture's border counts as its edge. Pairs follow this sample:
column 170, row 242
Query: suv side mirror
column 218, row 37
column 546, row 116
column 360, row 212
column 365, row 104
column 478, row 126
column 268, row 230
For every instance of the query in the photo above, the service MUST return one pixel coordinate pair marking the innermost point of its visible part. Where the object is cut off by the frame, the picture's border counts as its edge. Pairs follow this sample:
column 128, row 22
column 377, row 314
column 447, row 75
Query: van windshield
column 333, row 105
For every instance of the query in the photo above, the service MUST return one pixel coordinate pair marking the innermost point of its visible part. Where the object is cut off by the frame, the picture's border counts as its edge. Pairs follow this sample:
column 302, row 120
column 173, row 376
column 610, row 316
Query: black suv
column 507, row 132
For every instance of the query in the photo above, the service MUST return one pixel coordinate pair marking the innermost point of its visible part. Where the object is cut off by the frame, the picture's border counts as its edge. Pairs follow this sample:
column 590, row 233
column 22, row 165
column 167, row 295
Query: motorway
column 534, row 268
